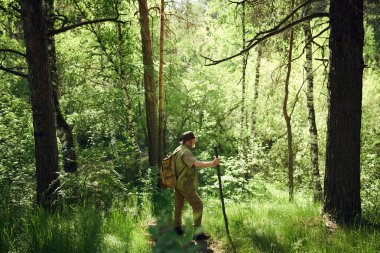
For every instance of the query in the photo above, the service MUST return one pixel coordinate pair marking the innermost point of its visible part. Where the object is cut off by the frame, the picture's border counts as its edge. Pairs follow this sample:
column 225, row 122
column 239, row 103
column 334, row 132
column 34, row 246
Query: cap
column 186, row 136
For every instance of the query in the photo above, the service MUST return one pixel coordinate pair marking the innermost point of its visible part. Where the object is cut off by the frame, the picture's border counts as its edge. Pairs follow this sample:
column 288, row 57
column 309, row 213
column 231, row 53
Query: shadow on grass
column 74, row 230
column 265, row 243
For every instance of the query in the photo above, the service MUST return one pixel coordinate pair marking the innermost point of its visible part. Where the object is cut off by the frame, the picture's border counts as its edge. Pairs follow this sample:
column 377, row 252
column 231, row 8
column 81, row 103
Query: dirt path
column 205, row 246
column 210, row 246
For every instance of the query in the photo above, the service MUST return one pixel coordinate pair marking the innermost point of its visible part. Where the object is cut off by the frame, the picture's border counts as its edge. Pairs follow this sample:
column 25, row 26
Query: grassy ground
column 266, row 225
column 275, row 225
column 79, row 229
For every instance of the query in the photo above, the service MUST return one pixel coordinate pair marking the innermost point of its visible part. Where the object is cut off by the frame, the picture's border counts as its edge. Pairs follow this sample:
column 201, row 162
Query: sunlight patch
column 113, row 241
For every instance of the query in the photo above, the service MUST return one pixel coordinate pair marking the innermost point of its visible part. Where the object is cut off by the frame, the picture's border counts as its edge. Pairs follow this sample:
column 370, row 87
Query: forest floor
column 265, row 223
column 202, row 246
column 210, row 246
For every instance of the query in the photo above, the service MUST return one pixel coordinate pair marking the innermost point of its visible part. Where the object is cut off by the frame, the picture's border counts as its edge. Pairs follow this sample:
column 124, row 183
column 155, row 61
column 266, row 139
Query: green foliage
column 237, row 181
column 167, row 240
column 17, row 175
column 16, row 134
column 106, row 205
column 370, row 158
column 92, row 184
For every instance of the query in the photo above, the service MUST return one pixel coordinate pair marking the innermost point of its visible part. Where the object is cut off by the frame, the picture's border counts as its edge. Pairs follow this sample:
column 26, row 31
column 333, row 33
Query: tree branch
column 283, row 20
column 70, row 27
column 4, row 9
column 11, row 71
column 7, row 50
column 311, row 40
column 243, row 1
column 255, row 41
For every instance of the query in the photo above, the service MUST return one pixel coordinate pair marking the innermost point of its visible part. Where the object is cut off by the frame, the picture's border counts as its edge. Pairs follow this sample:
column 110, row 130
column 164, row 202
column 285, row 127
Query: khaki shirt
column 187, row 177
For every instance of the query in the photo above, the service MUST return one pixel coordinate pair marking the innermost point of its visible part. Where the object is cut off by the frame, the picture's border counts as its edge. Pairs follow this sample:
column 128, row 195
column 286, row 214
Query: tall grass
column 276, row 225
column 77, row 229
column 264, row 223
column 125, row 229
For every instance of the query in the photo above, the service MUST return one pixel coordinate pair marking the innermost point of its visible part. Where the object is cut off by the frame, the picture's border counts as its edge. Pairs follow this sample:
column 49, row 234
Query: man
column 187, row 183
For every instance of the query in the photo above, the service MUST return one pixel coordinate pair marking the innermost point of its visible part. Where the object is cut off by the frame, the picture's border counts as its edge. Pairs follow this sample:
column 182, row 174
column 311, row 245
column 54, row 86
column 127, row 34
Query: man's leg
column 178, row 207
column 197, row 205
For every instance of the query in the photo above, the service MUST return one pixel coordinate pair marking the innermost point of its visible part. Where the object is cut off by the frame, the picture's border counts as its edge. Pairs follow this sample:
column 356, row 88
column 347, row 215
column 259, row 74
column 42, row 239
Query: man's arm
column 200, row 164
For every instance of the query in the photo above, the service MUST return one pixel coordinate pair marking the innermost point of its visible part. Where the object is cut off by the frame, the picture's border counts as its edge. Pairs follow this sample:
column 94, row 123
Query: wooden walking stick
column 222, row 200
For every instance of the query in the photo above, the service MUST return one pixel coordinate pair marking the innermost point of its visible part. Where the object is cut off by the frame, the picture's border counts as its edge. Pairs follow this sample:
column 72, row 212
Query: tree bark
column 286, row 115
column 64, row 130
column 46, row 153
column 161, row 116
column 317, row 189
column 342, row 177
column 243, row 80
column 256, row 90
column 150, row 99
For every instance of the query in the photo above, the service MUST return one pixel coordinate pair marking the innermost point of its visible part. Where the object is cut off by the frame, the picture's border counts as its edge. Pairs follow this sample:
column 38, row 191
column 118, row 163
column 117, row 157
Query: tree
column 65, row 133
column 342, row 178
column 286, row 115
column 128, row 102
column 242, row 136
column 256, row 90
column 161, row 116
column 311, row 112
column 46, row 153
column 150, row 98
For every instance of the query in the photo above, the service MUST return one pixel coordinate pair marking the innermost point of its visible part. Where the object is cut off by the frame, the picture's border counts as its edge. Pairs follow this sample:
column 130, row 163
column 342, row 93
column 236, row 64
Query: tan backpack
column 168, row 173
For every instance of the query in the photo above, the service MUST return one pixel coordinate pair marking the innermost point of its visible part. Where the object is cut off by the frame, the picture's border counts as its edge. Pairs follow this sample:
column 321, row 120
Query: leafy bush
column 168, row 241
column 94, row 184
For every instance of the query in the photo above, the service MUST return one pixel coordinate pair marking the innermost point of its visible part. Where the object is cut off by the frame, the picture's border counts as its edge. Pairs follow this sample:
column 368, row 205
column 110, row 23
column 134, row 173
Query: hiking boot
column 201, row 237
column 179, row 231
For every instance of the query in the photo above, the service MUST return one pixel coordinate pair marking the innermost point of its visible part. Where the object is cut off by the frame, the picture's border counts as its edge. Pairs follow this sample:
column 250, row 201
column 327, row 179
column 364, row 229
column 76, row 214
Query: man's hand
column 216, row 161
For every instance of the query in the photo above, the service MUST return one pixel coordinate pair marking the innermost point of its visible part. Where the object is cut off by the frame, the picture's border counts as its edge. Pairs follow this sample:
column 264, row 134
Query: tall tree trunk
column 254, row 108
column 161, row 147
column 311, row 113
column 46, row 153
column 150, row 99
column 128, row 102
column 342, row 177
column 64, row 130
column 256, row 91
column 113, row 142
column 140, row 87
column 287, row 117
column 243, row 79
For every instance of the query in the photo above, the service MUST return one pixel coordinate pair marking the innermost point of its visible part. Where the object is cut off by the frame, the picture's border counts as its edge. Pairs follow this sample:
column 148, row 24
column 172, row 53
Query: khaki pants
column 194, row 201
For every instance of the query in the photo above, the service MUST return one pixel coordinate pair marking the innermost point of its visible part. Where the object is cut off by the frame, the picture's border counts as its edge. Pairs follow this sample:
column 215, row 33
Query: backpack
column 168, row 173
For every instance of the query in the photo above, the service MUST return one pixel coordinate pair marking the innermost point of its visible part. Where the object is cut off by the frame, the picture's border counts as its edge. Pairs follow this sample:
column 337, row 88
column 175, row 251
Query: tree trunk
column 287, row 117
column 256, row 90
column 311, row 113
column 244, row 66
column 34, row 23
column 161, row 147
column 342, row 177
column 128, row 102
column 66, row 138
column 150, row 99
column 64, row 130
